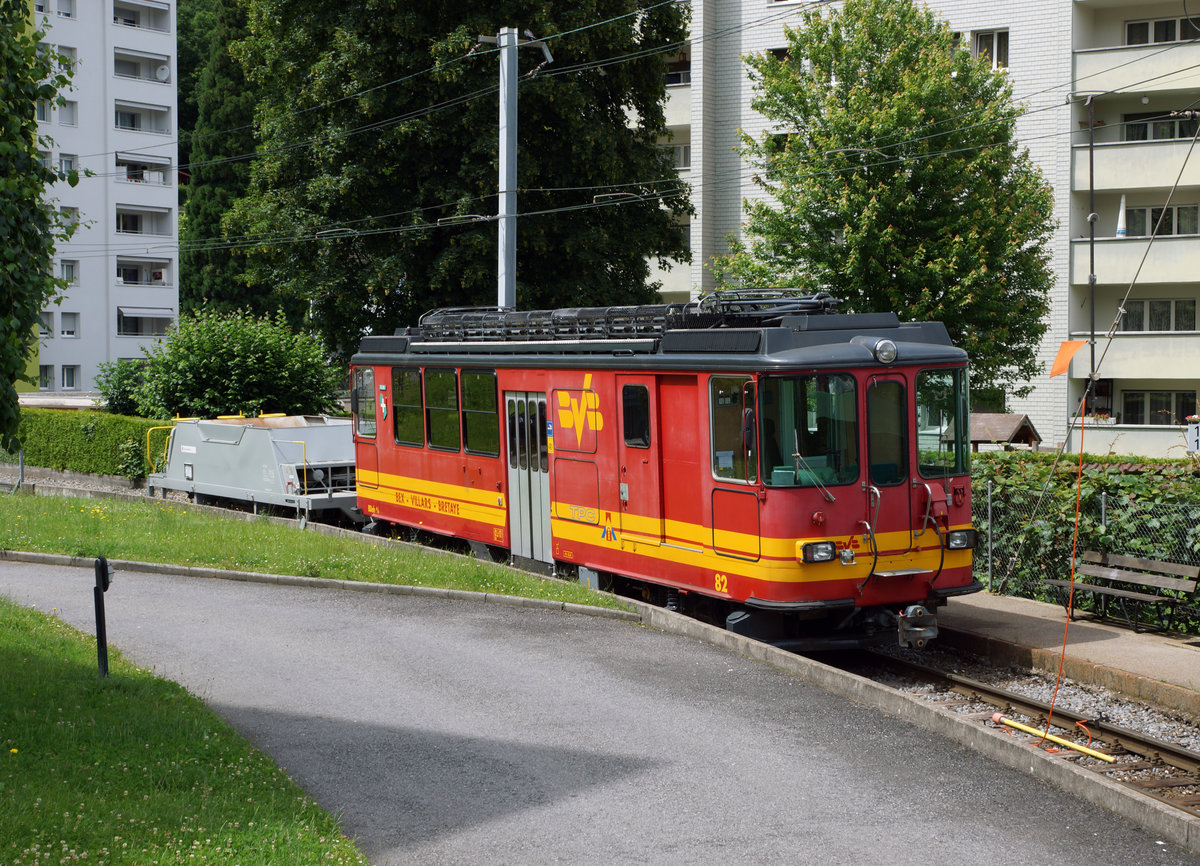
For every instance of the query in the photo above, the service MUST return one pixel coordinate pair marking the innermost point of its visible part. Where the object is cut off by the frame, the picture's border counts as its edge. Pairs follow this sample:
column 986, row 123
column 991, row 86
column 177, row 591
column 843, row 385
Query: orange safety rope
column 1070, row 593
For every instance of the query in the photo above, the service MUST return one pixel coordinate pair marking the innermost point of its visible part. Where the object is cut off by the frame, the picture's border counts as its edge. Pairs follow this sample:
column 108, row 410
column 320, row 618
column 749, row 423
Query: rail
column 1161, row 766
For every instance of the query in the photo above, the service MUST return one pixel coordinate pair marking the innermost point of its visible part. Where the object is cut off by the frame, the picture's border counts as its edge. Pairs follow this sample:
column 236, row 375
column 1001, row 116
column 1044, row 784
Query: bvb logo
column 582, row 411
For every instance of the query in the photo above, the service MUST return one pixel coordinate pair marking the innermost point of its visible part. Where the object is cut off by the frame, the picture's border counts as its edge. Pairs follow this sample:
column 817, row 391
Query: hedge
column 93, row 442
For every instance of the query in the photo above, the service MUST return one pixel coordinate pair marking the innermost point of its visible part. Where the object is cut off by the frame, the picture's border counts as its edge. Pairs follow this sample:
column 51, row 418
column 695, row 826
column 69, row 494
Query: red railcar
column 796, row 473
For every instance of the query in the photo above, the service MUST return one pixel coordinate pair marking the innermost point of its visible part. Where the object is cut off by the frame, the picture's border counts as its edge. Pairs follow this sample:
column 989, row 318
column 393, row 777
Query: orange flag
column 1065, row 353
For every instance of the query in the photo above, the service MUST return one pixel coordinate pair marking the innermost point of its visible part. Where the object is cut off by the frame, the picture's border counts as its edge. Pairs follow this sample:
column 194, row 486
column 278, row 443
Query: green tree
column 29, row 227
column 195, row 24
column 898, row 184
column 222, row 142
column 376, row 121
column 221, row 364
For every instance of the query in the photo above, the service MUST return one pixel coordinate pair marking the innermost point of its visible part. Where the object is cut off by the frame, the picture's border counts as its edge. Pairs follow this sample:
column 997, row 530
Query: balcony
column 135, row 171
column 143, row 272
column 1135, row 165
column 679, row 105
column 136, row 66
column 1134, row 439
column 1161, row 357
column 1138, row 68
column 1172, row 259
column 143, row 221
column 151, row 16
column 143, row 321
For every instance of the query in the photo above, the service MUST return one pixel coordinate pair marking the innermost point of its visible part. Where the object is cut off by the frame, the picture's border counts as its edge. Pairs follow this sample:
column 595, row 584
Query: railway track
column 1166, row 771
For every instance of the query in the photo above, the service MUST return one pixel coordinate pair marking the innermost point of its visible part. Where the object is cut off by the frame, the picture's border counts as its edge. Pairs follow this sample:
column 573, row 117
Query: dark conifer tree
column 221, row 144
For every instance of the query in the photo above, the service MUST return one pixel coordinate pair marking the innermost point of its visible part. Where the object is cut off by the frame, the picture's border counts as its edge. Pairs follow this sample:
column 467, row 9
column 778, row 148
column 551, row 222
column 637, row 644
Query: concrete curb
column 323, row 583
column 1167, row 822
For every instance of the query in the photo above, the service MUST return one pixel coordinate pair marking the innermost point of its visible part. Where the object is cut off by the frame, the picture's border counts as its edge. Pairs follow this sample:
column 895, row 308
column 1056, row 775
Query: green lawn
column 133, row 769
column 178, row 534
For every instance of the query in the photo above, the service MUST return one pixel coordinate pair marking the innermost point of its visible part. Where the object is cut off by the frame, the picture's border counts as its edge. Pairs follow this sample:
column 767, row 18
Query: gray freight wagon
column 301, row 462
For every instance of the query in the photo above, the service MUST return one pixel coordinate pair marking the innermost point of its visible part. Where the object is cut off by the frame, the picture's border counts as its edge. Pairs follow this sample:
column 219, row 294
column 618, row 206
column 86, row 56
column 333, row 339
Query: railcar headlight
column 819, row 551
column 885, row 351
column 962, row 539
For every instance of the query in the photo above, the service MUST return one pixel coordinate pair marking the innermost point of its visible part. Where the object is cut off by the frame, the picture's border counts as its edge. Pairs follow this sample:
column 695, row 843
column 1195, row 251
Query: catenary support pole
column 506, row 289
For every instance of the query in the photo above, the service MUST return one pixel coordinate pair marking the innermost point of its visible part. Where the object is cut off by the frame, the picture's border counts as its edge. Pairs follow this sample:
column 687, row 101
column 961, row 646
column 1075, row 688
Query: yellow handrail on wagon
column 166, row 446
column 304, row 463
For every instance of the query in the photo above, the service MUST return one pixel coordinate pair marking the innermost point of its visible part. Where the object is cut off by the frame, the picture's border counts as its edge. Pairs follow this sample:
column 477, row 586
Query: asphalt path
column 461, row 732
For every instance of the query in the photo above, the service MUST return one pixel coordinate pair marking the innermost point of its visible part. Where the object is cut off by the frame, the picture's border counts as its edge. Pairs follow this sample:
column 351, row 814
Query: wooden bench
column 1138, row 585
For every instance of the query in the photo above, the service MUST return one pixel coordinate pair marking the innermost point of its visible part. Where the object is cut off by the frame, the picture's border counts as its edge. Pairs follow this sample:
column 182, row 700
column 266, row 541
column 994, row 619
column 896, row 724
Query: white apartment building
column 1138, row 61
column 119, row 123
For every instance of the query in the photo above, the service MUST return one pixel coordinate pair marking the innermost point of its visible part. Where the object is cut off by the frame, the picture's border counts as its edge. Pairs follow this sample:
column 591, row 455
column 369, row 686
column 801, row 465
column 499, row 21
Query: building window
column 1157, row 408
column 68, row 269
column 43, row 110
column 45, row 159
column 1156, row 126
column 679, row 72
column 67, row 58
column 69, row 325
column 68, row 113
column 66, row 161
column 45, row 377
column 66, row 8
column 1160, row 30
column 70, row 378
column 46, row 324
column 993, row 44
column 69, row 214
column 1181, row 219
column 129, row 223
column 681, row 154
column 1171, row 314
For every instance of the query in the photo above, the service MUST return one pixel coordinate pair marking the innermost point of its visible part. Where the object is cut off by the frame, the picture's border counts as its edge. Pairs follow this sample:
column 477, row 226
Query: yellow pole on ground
column 1001, row 720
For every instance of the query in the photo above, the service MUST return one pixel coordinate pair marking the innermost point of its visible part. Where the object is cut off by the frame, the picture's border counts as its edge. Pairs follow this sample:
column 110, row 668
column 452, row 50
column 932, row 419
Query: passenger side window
column 481, row 412
column 364, row 387
column 441, row 409
column 406, row 407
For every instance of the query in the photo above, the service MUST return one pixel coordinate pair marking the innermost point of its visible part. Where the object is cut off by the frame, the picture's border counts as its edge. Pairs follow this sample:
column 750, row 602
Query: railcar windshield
column 808, row 430
column 943, row 426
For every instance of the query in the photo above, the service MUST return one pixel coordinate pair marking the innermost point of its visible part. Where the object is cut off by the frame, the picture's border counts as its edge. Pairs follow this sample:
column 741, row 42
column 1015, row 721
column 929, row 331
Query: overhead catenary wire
column 767, row 19
column 674, row 187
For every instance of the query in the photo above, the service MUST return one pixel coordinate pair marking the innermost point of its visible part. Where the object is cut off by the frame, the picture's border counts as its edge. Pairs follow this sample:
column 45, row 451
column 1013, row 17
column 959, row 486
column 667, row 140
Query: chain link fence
column 1027, row 536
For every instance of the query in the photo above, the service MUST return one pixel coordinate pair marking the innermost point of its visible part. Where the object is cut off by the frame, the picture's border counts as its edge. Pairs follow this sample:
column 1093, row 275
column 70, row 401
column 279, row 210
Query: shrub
column 94, row 442
column 118, row 383
column 214, row 364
